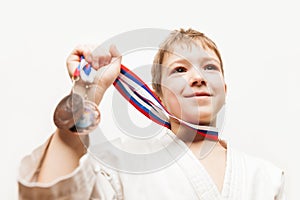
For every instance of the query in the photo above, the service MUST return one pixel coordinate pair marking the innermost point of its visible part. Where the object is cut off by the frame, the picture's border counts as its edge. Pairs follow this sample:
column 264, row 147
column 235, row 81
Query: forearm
column 66, row 148
column 62, row 156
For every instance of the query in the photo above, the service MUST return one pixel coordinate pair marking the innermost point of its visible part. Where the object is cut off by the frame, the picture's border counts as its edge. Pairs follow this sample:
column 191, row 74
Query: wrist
column 89, row 91
column 72, row 141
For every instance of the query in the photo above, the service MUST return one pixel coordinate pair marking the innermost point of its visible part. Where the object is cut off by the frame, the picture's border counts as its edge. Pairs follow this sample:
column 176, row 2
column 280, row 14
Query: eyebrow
column 181, row 60
column 203, row 59
column 211, row 58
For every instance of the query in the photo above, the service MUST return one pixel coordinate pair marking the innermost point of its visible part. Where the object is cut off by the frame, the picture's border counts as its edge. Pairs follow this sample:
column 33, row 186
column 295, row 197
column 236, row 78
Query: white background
column 259, row 42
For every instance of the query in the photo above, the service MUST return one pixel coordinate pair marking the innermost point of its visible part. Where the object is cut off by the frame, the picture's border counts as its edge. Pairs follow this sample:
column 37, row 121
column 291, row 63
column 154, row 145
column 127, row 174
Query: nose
column 196, row 78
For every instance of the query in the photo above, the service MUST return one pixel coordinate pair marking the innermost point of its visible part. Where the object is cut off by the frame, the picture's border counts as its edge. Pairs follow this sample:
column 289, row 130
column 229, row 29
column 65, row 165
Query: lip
column 199, row 94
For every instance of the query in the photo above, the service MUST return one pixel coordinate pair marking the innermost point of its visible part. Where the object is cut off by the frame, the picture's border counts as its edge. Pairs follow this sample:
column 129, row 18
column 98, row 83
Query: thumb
column 74, row 58
column 114, row 51
column 115, row 61
column 111, row 72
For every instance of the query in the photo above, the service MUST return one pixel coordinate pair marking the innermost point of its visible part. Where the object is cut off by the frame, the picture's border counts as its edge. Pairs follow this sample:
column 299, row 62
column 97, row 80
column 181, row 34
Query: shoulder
column 259, row 172
column 257, row 164
column 253, row 165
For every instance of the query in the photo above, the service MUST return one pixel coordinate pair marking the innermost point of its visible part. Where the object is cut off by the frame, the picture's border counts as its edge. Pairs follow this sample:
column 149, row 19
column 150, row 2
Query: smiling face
column 192, row 84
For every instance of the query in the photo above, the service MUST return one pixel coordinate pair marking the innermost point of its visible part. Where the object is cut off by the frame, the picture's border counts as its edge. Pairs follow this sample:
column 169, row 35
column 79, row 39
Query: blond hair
column 179, row 37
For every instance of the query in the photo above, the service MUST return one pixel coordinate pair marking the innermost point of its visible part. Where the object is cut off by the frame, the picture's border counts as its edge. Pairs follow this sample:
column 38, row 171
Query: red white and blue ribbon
column 138, row 94
column 85, row 71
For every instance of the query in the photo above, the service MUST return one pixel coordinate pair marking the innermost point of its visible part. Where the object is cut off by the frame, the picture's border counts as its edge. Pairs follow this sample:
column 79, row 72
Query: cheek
column 218, row 87
column 172, row 89
column 170, row 100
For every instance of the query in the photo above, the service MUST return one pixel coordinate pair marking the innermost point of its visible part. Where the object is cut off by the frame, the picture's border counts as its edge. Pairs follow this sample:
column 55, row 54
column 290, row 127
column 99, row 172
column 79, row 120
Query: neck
column 187, row 134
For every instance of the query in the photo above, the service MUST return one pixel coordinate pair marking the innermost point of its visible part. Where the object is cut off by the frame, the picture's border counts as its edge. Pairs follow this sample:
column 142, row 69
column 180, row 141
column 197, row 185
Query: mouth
column 199, row 94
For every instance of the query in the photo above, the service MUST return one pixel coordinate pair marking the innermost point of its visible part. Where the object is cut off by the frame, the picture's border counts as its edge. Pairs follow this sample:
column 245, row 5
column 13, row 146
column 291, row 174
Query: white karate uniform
column 246, row 177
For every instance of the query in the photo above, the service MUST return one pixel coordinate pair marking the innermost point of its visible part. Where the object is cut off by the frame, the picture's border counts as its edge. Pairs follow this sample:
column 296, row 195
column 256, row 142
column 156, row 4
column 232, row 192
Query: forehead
column 194, row 53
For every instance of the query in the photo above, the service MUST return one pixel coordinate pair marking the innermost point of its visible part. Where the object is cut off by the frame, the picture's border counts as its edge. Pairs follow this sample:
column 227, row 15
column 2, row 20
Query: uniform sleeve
column 76, row 185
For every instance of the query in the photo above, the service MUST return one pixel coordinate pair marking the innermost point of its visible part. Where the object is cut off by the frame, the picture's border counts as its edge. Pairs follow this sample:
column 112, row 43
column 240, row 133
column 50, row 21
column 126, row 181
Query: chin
column 205, row 120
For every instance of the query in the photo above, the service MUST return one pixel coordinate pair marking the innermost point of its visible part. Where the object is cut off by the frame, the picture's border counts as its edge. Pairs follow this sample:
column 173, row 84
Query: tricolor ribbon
column 138, row 94
column 88, row 74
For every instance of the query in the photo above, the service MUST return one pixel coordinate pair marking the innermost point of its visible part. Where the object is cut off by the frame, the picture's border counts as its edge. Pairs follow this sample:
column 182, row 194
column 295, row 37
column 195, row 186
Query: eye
column 211, row 67
column 179, row 69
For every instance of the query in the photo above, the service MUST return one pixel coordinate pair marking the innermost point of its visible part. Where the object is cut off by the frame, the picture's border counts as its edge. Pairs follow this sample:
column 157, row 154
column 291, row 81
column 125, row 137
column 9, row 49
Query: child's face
column 193, row 87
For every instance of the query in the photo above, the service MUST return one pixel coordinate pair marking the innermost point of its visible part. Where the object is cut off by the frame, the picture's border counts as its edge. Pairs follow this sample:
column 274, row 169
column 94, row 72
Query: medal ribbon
column 138, row 94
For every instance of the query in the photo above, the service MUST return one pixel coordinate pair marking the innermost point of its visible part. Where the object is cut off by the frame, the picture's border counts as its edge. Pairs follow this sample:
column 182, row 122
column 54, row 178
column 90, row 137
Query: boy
column 188, row 78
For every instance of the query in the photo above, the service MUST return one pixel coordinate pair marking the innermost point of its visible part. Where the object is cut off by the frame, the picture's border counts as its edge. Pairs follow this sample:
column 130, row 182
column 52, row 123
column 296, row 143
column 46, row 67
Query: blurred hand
column 106, row 62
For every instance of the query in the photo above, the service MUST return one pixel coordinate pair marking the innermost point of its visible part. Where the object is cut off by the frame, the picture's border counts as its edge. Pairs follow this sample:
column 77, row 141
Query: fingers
column 116, row 60
column 74, row 57
column 114, row 51
column 99, row 58
column 106, row 77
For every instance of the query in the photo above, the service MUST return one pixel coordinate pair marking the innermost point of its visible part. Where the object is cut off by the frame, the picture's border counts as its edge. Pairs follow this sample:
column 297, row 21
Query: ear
column 225, row 87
